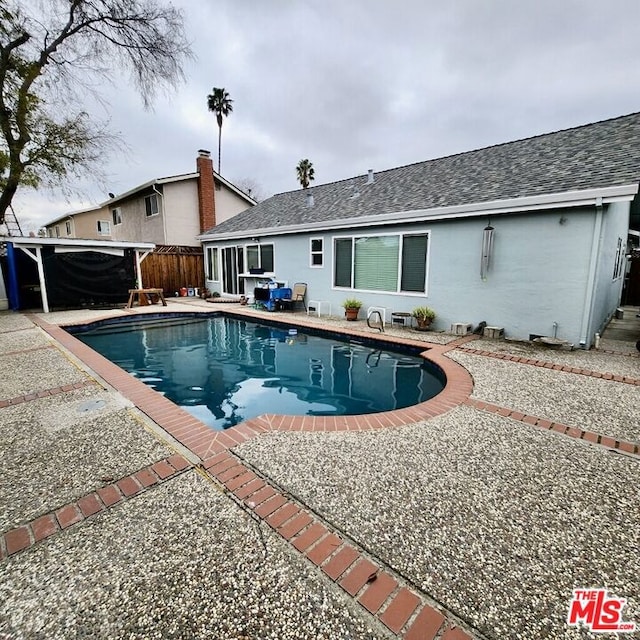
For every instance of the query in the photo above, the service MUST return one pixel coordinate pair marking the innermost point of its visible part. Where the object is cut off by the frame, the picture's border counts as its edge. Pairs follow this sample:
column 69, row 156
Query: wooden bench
column 146, row 296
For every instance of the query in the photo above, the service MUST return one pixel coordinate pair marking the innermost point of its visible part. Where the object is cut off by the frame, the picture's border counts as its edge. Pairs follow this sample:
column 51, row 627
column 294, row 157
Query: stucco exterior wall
column 538, row 274
column 83, row 225
column 136, row 226
column 181, row 211
column 608, row 290
column 228, row 204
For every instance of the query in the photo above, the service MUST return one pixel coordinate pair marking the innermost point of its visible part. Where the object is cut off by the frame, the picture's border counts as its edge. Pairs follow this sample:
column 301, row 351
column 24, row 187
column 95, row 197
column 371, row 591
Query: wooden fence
column 172, row 267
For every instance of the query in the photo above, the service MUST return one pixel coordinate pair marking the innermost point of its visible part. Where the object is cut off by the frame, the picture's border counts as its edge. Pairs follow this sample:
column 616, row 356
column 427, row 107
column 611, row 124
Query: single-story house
column 530, row 236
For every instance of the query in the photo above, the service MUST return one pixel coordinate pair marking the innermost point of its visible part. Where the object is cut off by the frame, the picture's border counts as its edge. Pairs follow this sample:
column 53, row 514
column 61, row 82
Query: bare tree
column 54, row 52
column 252, row 188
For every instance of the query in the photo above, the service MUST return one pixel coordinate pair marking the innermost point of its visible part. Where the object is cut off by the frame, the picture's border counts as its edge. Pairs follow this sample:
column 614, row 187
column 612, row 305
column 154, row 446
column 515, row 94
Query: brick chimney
column 206, row 190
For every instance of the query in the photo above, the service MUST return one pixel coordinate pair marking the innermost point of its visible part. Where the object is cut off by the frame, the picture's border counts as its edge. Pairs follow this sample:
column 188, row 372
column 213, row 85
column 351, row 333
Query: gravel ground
column 25, row 373
column 22, row 339
column 204, row 570
column 620, row 346
column 496, row 520
column 11, row 321
column 59, row 448
column 606, row 407
column 579, row 358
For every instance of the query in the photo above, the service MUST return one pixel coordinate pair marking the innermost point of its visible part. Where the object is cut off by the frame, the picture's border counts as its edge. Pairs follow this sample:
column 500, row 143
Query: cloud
column 376, row 84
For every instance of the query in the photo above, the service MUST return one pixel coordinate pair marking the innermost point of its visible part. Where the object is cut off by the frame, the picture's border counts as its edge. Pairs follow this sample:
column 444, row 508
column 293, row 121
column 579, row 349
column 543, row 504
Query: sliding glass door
column 232, row 265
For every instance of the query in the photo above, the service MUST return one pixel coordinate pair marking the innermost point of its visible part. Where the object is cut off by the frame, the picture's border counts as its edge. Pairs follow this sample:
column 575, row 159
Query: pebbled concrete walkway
column 475, row 520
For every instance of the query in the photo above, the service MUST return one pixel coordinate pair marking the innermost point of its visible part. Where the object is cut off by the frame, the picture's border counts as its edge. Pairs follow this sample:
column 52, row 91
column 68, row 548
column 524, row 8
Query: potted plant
column 351, row 308
column 424, row 317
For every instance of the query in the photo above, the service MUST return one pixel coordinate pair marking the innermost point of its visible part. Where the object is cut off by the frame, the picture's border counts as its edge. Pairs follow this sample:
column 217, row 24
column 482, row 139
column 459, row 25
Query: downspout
column 596, row 243
column 164, row 218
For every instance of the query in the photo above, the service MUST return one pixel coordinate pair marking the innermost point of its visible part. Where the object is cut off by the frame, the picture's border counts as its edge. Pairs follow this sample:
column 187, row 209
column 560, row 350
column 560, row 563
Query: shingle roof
column 603, row 154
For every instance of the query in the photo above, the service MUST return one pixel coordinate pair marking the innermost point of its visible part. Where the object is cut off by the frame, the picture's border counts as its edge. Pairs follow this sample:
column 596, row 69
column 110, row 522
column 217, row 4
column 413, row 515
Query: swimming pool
column 224, row 370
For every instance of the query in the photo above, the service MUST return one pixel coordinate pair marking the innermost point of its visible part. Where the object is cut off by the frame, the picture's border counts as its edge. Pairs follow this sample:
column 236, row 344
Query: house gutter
column 589, row 302
column 164, row 217
column 586, row 198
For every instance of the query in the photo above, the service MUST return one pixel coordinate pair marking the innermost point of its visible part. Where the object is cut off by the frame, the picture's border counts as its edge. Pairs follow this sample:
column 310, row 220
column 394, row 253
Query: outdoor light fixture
column 487, row 249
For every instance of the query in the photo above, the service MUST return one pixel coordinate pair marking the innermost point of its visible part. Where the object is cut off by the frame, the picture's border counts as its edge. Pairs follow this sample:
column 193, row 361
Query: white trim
column 118, row 215
column 232, row 187
column 106, row 250
column 77, row 242
column 398, row 291
column 215, row 267
column 312, row 252
column 149, row 199
column 569, row 199
column 100, row 224
column 43, row 283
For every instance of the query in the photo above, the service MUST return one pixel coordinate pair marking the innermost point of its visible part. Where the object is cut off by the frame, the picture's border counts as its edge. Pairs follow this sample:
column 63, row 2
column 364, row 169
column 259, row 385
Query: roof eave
column 588, row 197
column 77, row 242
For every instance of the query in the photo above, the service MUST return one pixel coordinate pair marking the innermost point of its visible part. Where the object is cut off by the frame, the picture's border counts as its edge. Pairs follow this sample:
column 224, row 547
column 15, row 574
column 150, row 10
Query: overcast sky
column 355, row 85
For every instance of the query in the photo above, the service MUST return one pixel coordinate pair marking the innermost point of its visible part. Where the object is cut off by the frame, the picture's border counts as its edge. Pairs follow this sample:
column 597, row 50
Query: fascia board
column 624, row 193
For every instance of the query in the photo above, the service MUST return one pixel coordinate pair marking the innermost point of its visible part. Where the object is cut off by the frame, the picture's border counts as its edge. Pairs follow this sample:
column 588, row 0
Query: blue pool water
column 224, row 370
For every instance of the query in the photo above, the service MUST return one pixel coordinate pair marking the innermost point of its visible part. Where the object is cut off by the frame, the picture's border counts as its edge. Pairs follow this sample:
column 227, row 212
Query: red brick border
column 29, row 534
column 619, row 353
column 544, row 364
column 400, row 608
column 45, row 393
column 549, row 425
column 29, row 350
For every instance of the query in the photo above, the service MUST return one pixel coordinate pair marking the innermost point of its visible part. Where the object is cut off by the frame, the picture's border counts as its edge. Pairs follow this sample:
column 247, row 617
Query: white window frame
column 104, row 227
column 116, row 215
column 259, row 246
column 213, row 267
column 316, row 253
column 149, row 208
column 57, row 230
column 618, row 266
column 398, row 291
column 67, row 225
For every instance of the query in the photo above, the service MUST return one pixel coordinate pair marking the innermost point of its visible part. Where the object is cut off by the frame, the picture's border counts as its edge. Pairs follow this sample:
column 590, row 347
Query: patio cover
column 32, row 247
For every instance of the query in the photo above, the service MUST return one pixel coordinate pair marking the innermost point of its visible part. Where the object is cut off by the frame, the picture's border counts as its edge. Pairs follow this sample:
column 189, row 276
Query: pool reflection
column 224, row 370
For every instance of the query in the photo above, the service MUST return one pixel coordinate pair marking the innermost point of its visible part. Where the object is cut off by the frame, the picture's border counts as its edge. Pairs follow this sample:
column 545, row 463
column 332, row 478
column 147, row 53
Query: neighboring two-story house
column 170, row 212
column 167, row 211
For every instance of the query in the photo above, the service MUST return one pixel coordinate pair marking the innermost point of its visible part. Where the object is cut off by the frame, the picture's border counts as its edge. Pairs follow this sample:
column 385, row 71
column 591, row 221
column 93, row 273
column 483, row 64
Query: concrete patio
column 121, row 518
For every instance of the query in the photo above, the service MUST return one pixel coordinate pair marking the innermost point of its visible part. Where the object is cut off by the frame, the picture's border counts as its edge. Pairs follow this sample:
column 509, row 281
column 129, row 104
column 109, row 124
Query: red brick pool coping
column 204, row 442
column 401, row 609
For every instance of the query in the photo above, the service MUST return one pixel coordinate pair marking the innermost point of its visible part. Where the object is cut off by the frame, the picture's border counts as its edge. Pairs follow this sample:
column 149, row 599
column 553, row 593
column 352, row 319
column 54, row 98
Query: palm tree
column 219, row 103
column 305, row 173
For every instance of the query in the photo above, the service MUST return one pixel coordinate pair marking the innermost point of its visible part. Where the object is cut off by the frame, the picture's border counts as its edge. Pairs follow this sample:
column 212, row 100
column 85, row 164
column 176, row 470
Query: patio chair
column 298, row 294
